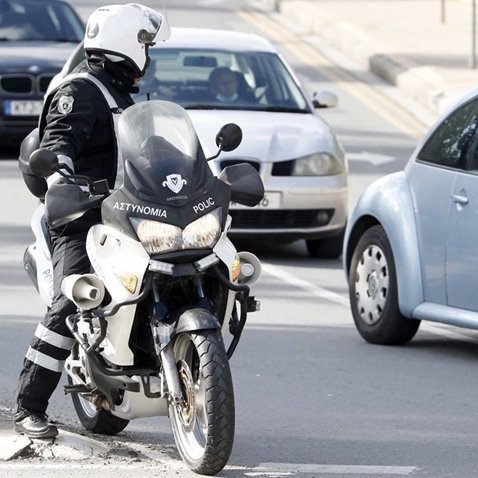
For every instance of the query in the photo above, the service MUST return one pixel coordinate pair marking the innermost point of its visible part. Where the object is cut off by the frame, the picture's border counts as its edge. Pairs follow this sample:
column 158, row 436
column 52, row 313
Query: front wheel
column 374, row 293
column 203, row 425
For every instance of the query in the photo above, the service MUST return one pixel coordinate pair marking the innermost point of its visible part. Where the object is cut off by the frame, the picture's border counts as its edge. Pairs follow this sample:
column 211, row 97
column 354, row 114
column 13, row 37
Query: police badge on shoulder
column 65, row 104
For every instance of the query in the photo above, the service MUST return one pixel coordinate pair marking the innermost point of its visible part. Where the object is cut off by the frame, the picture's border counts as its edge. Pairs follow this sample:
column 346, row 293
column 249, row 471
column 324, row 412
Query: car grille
column 25, row 84
column 279, row 219
column 283, row 168
column 232, row 162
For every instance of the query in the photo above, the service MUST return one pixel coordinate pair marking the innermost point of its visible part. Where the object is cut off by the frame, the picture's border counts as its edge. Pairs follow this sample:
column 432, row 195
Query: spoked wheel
column 203, row 425
column 95, row 419
column 374, row 294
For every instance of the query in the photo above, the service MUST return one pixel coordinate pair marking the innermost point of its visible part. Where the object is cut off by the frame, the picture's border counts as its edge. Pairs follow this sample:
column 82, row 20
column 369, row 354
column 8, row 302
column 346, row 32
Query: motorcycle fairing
column 166, row 175
column 104, row 244
column 122, row 204
column 37, row 258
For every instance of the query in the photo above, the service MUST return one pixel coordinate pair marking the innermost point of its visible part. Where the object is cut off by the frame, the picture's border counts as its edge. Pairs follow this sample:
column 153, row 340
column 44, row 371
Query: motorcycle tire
column 203, row 427
column 96, row 420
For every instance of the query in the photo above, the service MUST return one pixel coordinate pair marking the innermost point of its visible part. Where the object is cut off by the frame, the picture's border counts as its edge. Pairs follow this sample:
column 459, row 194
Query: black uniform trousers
column 53, row 341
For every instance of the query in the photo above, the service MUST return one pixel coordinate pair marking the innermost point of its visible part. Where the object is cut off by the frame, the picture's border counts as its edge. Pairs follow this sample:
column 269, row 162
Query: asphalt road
column 312, row 398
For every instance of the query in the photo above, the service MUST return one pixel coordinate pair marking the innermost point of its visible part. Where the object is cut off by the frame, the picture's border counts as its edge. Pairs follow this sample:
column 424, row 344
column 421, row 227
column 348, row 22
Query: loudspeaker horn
column 250, row 268
column 87, row 291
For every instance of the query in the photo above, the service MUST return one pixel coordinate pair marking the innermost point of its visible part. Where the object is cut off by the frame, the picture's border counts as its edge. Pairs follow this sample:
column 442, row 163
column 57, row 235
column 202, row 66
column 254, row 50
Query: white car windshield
column 222, row 79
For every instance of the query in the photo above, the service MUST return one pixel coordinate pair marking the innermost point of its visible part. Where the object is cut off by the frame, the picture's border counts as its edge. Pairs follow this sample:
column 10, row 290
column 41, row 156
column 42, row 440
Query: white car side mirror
column 324, row 99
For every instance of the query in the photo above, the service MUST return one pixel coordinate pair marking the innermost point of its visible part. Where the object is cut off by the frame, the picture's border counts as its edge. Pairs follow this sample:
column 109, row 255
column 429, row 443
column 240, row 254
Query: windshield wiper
column 200, row 107
column 64, row 40
column 284, row 109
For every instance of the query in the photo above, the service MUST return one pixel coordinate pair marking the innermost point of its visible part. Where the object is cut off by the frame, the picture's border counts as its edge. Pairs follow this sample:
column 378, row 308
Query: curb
column 419, row 82
column 66, row 445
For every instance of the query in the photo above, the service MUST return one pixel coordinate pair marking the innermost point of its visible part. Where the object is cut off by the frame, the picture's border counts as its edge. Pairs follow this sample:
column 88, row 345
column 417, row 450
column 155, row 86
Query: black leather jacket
column 86, row 133
column 77, row 122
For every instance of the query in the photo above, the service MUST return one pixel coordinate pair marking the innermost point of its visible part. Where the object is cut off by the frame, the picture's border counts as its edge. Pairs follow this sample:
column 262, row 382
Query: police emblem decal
column 174, row 182
column 65, row 104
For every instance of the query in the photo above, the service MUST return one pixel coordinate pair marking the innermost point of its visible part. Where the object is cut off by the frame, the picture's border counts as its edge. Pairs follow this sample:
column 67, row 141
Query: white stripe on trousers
column 53, row 338
column 44, row 361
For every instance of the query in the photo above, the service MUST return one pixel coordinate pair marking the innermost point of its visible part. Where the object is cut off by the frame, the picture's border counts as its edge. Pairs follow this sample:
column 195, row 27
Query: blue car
column 411, row 245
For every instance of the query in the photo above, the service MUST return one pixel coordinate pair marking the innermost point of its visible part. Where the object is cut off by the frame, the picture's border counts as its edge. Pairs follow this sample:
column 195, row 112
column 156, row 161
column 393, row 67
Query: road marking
column 442, row 330
column 297, row 468
column 315, row 290
column 264, row 469
column 373, row 158
column 386, row 107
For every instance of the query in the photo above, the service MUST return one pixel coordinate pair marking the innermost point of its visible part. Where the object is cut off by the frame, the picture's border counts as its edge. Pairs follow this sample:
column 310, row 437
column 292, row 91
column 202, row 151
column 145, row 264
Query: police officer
column 78, row 124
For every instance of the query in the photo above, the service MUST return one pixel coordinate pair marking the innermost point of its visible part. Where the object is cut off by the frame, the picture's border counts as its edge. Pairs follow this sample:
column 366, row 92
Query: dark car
column 36, row 37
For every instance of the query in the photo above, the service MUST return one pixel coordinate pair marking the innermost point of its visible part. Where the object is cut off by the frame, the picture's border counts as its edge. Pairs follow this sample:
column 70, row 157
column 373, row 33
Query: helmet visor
column 152, row 25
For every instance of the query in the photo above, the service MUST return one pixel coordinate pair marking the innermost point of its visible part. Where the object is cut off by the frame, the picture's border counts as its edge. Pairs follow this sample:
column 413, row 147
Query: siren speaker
column 250, row 268
column 87, row 291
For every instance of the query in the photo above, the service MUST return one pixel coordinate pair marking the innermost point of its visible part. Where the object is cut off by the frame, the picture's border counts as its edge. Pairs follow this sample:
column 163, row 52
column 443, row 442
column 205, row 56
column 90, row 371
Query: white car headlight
column 159, row 237
column 317, row 164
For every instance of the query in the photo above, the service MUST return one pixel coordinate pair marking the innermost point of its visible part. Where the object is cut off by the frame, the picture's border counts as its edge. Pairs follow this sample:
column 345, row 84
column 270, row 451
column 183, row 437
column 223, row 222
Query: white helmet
column 124, row 32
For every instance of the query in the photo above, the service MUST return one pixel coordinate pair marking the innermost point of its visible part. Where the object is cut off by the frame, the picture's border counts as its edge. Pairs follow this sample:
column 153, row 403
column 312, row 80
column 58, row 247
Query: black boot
column 33, row 424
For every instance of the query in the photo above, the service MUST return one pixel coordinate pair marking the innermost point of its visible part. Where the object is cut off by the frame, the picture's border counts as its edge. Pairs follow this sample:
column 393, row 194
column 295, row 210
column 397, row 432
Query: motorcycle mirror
column 43, row 162
column 246, row 183
column 229, row 137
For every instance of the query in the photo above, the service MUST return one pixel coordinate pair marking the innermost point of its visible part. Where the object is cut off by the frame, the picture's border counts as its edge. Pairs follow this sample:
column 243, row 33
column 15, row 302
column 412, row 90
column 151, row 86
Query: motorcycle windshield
column 162, row 157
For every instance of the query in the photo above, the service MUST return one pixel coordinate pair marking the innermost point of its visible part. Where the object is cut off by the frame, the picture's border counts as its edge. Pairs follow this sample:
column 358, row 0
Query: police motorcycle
column 163, row 308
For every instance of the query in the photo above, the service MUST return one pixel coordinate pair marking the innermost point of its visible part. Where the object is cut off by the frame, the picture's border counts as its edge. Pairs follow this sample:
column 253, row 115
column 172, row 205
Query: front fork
column 165, row 330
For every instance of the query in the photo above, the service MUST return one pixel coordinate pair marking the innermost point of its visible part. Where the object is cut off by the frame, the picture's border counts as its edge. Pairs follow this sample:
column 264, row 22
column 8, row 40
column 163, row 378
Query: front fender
column 389, row 202
column 187, row 321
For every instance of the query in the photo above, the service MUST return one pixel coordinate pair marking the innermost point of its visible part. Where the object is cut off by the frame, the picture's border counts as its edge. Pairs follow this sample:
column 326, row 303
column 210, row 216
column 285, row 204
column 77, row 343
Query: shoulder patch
column 65, row 104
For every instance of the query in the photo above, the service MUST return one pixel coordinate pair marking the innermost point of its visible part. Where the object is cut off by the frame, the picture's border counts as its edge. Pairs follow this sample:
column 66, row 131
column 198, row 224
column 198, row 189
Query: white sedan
column 301, row 162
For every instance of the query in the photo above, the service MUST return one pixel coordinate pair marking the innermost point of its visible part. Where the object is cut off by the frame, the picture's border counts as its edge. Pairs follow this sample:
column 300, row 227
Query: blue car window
column 453, row 144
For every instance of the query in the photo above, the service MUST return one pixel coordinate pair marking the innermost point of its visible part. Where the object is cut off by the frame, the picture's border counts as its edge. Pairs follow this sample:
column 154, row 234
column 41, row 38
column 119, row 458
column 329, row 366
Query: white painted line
column 336, row 469
column 321, row 293
column 315, row 290
column 18, row 288
column 20, row 320
column 75, row 466
column 443, row 331
column 264, row 469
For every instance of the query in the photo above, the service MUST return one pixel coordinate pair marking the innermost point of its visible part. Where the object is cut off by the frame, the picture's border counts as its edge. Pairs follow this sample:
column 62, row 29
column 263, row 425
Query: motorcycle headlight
column 203, row 232
column 317, row 164
column 159, row 237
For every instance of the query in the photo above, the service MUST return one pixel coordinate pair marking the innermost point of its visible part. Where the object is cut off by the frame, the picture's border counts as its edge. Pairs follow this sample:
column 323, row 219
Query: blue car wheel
column 373, row 292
